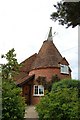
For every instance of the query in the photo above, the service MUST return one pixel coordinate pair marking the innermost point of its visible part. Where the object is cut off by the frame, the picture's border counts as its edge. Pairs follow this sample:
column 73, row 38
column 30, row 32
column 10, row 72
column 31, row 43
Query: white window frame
column 64, row 69
column 39, row 87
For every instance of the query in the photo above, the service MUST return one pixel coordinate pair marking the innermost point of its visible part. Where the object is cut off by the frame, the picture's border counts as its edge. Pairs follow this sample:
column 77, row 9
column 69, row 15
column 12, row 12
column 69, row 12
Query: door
column 27, row 94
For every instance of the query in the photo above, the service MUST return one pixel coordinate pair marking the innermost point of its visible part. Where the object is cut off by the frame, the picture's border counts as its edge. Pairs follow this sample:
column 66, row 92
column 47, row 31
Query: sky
column 24, row 25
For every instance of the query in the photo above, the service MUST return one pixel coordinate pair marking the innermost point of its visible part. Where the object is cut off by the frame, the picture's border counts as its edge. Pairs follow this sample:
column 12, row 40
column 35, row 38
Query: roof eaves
column 26, row 80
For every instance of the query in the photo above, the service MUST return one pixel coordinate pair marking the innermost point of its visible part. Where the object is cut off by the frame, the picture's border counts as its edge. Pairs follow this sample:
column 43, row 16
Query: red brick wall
column 48, row 72
column 35, row 99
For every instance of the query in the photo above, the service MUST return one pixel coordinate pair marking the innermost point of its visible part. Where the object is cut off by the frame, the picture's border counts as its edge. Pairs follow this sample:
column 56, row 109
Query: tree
column 61, row 103
column 11, row 67
column 0, row 92
column 68, row 13
column 13, row 105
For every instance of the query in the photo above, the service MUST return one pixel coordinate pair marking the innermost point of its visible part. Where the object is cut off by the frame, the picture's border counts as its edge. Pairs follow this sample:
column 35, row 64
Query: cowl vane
column 50, row 38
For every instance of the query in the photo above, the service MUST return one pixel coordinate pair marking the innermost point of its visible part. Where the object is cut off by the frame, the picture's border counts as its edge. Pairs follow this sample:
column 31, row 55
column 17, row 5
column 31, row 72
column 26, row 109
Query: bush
column 13, row 105
column 62, row 103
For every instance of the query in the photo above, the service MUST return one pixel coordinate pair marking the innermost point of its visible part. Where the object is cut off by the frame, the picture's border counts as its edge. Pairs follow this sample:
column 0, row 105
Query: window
column 64, row 69
column 38, row 90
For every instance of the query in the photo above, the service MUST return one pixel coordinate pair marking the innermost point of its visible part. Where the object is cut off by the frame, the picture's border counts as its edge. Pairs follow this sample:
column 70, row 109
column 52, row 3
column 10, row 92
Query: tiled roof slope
column 48, row 56
column 24, row 69
column 26, row 64
column 24, row 79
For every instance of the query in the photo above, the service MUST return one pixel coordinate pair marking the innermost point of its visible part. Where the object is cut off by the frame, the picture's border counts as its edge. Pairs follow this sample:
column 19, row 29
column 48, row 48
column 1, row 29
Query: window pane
column 36, row 90
column 41, row 89
column 64, row 69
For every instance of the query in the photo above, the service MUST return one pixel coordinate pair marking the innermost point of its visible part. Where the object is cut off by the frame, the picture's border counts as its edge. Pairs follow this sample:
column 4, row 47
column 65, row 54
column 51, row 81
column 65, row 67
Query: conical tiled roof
column 48, row 55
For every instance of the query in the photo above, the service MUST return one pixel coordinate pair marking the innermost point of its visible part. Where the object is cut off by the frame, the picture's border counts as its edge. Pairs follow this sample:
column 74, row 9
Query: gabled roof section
column 24, row 69
column 64, row 61
column 26, row 64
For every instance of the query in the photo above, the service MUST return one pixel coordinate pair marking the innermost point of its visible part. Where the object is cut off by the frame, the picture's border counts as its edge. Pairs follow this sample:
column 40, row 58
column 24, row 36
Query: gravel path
column 30, row 113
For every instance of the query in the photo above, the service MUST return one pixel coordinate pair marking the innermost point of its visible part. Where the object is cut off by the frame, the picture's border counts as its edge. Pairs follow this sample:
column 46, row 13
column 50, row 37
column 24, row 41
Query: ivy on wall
column 47, row 84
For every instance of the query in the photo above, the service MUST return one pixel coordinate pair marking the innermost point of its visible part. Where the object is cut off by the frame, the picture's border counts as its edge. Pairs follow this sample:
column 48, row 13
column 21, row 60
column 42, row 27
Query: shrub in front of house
column 13, row 105
column 62, row 103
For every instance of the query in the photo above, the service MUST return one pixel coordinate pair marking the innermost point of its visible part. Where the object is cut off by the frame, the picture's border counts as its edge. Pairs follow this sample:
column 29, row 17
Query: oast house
column 46, row 63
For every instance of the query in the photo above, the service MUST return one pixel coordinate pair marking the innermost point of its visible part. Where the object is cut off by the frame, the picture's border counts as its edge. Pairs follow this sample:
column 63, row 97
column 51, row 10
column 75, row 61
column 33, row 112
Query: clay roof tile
column 48, row 56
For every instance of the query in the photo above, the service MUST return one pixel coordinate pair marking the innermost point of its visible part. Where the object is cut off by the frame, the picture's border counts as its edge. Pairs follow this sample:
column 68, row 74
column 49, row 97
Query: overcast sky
column 24, row 25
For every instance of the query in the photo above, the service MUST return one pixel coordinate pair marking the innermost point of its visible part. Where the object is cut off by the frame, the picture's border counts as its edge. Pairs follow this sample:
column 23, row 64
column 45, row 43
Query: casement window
column 64, row 69
column 38, row 90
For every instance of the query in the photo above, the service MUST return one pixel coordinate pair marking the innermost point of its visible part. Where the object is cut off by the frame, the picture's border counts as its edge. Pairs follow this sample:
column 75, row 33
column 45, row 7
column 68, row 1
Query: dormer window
column 64, row 69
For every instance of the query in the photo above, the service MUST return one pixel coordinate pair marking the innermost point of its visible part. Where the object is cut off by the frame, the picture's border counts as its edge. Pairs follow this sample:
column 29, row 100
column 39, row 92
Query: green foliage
column 11, row 67
column 47, row 84
column 54, row 79
column 0, row 97
column 68, row 13
column 62, row 103
column 13, row 105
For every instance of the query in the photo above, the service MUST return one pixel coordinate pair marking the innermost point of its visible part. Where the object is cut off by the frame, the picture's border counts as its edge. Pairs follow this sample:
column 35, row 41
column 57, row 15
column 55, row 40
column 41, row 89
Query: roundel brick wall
column 45, row 72
column 48, row 73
